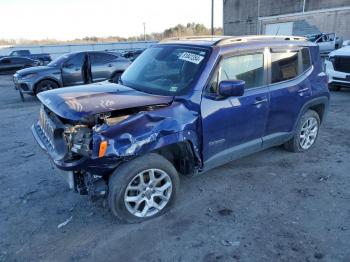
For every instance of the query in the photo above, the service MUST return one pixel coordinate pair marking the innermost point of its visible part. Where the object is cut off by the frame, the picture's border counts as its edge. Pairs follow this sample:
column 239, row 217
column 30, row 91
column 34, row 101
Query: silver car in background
column 71, row 69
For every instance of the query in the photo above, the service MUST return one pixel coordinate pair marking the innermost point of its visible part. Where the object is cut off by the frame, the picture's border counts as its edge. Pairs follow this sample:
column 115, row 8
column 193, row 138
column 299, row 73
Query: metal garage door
column 279, row 29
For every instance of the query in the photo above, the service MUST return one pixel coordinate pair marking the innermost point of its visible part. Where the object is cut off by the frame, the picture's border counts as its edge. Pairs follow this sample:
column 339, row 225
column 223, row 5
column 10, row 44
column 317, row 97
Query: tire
column 308, row 127
column 45, row 85
column 125, row 183
column 116, row 77
column 334, row 87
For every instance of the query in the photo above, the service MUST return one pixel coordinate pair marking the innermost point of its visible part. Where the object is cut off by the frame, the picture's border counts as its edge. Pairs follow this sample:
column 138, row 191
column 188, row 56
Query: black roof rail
column 234, row 39
column 199, row 37
column 225, row 40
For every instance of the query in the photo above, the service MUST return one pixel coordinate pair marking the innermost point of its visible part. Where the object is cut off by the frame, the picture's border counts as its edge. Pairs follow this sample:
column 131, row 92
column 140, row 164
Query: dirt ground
column 271, row 206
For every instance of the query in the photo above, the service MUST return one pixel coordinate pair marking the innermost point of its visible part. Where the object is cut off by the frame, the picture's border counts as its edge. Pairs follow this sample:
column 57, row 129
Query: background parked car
column 15, row 63
column 71, row 69
column 43, row 58
column 338, row 68
column 326, row 42
column 132, row 55
column 346, row 42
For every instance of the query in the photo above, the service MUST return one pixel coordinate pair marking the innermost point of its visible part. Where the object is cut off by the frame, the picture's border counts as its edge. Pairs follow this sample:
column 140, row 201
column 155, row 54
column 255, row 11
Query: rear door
column 233, row 126
column 102, row 66
column 289, row 89
column 72, row 70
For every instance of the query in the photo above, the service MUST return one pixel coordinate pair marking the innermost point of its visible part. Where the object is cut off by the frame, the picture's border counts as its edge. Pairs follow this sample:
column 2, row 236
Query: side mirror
column 228, row 88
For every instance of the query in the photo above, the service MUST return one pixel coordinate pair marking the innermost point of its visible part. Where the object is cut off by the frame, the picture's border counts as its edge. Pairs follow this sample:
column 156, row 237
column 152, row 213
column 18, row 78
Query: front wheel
column 306, row 132
column 142, row 188
column 45, row 85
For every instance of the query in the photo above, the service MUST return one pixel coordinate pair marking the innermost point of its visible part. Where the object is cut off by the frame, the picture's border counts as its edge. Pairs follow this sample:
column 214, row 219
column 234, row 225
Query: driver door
column 234, row 126
column 325, row 44
column 72, row 70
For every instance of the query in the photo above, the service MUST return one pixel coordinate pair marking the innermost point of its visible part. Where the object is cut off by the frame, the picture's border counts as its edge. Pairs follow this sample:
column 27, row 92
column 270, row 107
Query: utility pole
column 258, row 22
column 144, row 31
column 212, row 17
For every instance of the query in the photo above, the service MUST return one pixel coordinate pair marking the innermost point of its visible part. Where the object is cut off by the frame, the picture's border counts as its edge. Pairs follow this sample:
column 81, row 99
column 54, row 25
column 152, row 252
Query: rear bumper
column 98, row 166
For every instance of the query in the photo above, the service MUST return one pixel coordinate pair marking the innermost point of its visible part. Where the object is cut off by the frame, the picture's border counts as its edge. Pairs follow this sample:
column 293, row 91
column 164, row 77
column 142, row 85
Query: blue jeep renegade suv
column 184, row 106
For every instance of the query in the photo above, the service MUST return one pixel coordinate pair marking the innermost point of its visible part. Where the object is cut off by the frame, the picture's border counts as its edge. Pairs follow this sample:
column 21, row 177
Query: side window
column 101, row 58
column 306, row 59
column 284, row 66
column 249, row 68
column 75, row 61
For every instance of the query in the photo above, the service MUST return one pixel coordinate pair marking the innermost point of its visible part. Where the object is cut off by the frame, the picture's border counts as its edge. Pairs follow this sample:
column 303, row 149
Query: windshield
column 58, row 61
column 165, row 69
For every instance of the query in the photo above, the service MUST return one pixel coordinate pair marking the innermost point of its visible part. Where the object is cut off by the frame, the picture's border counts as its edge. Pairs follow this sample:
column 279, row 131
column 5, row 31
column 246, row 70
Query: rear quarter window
column 284, row 66
column 306, row 58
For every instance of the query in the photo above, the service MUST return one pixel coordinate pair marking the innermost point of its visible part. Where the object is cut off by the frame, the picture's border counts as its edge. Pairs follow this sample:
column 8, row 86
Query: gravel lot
column 271, row 206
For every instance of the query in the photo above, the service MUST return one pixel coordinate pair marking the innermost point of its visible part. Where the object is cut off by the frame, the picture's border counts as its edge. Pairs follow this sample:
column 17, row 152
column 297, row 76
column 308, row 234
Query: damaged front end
column 82, row 147
column 89, row 134
column 90, row 131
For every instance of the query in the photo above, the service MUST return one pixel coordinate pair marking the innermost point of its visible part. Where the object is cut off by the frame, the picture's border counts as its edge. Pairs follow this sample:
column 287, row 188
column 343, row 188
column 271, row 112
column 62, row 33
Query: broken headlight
column 78, row 139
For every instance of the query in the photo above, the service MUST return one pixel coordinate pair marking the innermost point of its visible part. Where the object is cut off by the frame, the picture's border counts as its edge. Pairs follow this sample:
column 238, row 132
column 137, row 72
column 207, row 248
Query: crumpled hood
column 76, row 102
column 36, row 69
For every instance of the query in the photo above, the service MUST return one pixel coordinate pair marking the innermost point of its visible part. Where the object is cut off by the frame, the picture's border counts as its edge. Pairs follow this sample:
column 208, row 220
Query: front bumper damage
column 85, row 174
column 81, row 173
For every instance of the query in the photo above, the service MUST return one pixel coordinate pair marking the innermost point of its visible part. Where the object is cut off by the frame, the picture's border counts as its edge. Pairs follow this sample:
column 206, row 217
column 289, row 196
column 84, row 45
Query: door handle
column 303, row 90
column 110, row 65
column 260, row 100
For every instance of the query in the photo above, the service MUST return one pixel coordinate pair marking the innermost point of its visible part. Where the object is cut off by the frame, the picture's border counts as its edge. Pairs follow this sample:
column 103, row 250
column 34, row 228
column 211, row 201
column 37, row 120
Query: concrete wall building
column 288, row 17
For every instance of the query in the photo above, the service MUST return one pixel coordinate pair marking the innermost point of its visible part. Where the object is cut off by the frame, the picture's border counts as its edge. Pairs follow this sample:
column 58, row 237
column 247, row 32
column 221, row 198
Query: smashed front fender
column 147, row 131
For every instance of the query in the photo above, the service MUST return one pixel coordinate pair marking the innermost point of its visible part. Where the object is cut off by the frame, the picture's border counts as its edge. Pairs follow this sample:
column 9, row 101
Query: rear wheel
column 306, row 133
column 45, row 85
column 143, row 188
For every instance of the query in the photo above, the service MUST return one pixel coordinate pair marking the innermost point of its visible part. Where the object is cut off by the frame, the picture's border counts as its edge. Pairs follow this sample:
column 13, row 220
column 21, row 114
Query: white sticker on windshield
column 173, row 89
column 193, row 58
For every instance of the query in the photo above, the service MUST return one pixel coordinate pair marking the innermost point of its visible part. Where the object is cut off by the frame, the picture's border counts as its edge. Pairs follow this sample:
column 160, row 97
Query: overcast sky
column 69, row 19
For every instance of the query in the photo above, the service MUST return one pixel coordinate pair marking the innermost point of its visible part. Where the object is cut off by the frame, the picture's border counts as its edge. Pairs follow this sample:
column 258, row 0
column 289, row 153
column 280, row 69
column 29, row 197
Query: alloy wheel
column 148, row 192
column 308, row 133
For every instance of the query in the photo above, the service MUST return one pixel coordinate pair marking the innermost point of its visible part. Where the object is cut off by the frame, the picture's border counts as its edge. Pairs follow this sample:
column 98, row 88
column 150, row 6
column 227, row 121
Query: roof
column 226, row 40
